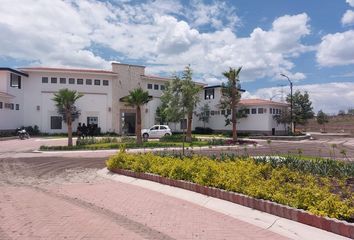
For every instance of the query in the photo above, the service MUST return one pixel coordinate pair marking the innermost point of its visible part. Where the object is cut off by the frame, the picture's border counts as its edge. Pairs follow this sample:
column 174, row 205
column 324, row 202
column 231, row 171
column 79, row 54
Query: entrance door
column 128, row 123
column 273, row 131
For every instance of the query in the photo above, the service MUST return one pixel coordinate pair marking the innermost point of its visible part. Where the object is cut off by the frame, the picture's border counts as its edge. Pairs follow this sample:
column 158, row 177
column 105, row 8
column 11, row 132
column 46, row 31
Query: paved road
column 48, row 197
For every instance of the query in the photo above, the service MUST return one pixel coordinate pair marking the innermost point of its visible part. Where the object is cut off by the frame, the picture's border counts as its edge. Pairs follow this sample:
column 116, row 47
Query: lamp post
column 291, row 102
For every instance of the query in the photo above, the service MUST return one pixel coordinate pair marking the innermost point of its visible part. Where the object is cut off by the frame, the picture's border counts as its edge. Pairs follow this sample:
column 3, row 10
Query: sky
column 312, row 42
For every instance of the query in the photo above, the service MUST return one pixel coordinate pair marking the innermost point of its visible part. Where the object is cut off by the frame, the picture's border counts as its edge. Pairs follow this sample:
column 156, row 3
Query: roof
column 6, row 95
column 258, row 102
column 156, row 77
column 13, row 71
column 76, row 70
column 219, row 86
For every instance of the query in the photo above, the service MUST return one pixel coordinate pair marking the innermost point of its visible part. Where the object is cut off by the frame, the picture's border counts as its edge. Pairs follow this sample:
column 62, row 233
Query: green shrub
column 175, row 138
column 280, row 184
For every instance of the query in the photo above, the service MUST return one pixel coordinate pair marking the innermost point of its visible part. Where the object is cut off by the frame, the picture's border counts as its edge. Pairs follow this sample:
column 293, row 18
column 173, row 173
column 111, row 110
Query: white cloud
column 348, row 18
column 336, row 49
column 64, row 33
column 330, row 97
column 350, row 2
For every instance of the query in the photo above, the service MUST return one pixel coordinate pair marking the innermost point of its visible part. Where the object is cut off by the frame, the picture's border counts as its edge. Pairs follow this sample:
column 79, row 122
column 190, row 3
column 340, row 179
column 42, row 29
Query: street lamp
column 291, row 102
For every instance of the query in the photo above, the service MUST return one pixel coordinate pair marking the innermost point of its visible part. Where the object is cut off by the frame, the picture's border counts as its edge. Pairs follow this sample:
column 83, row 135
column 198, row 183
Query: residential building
column 26, row 100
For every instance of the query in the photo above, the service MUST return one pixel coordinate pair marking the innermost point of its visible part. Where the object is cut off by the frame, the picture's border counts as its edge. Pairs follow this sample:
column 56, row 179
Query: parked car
column 156, row 131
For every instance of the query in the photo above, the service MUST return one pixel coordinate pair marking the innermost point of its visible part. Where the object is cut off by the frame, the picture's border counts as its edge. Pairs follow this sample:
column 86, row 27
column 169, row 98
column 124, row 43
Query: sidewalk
column 265, row 221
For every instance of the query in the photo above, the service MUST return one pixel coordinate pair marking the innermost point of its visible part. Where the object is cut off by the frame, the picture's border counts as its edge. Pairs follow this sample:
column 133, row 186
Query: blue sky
column 312, row 42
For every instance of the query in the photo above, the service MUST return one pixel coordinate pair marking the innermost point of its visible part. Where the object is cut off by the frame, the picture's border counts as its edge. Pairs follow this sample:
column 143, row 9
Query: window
column 260, row 110
column 222, row 112
column 0, row 105
column 149, row 86
column 209, row 93
column 155, row 128
column 44, row 79
column 97, row 82
column 80, row 81
column 55, row 122
column 270, row 110
column 17, row 106
column 228, row 111
column 156, row 87
column 183, row 123
column 53, row 80
column 254, row 110
column 71, row 80
column 162, row 87
column 92, row 120
column 88, row 81
column 163, row 128
column 15, row 80
column 62, row 80
column 212, row 113
column 9, row 106
column 273, row 110
column 247, row 110
column 105, row 82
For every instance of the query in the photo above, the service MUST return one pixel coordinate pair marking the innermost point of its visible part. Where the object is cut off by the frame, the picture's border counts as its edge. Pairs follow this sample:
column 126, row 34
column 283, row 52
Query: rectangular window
column 71, row 80
column 105, row 83
column 260, row 110
column 55, row 122
column 254, row 110
column 273, row 110
column 270, row 110
column 15, row 80
column 228, row 111
column 209, row 93
column 62, row 80
column 12, row 106
column 149, row 86
column 44, row 79
column 212, row 113
column 222, row 112
column 97, row 82
column 80, row 81
column 156, row 87
column 17, row 106
column 88, row 81
column 0, row 105
column 162, row 87
column 183, row 123
column 53, row 80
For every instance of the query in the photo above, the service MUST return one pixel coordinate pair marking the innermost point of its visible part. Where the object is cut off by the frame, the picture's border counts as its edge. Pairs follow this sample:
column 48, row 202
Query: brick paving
column 112, row 210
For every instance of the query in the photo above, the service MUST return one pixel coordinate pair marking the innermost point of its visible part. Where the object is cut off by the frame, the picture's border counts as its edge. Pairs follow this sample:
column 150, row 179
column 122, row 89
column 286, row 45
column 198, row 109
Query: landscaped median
column 307, row 196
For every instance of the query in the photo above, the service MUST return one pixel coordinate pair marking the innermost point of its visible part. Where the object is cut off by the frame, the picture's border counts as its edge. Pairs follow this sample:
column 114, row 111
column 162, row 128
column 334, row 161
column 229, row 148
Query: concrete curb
column 328, row 224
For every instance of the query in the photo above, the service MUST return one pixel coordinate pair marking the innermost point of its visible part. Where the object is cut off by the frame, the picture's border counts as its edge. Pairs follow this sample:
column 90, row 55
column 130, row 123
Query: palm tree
column 136, row 98
column 65, row 101
column 230, row 97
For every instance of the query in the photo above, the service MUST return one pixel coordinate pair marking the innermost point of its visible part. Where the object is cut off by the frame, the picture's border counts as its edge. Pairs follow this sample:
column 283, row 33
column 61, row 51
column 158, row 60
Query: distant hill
column 337, row 124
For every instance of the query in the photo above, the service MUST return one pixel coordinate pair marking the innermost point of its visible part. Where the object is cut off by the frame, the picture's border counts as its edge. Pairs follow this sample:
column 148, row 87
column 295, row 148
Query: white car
column 156, row 131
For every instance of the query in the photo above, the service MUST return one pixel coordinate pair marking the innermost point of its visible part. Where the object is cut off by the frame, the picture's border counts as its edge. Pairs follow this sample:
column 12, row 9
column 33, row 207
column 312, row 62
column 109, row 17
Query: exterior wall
column 11, row 119
column 96, row 101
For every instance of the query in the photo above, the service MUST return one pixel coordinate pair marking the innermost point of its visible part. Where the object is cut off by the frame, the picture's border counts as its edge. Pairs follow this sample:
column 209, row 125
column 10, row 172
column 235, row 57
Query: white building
column 26, row 100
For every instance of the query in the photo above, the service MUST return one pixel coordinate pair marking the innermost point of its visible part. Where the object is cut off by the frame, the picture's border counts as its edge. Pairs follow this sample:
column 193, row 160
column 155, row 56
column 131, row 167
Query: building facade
column 26, row 100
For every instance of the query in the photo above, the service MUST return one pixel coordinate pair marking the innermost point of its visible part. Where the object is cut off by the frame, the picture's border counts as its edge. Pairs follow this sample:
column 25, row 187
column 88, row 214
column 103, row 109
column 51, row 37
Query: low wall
column 329, row 224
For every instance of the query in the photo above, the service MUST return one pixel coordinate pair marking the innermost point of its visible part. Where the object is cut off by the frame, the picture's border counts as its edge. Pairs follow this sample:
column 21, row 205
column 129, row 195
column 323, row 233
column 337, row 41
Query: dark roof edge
column 14, row 71
column 217, row 86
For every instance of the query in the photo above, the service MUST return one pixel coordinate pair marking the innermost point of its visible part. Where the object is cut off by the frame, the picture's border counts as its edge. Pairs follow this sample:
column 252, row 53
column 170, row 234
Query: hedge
column 323, row 196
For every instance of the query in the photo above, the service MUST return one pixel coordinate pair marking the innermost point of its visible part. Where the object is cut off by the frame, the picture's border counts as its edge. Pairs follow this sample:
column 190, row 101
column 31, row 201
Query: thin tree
column 302, row 108
column 230, row 97
column 137, row 98
column 322, row 119
column 283, row 118
column 65, row 101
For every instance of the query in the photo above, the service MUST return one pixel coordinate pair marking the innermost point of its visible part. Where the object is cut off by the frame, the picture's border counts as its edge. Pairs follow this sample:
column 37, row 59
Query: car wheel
column 145, row 136
column 167, row 134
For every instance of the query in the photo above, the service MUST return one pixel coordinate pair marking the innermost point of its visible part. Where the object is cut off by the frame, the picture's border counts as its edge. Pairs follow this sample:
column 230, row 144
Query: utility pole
column 291, row 102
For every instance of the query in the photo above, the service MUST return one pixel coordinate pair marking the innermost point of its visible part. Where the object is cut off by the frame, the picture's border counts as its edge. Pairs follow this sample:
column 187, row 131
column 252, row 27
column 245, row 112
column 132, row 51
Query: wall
column 11, row 119
column 97, row 100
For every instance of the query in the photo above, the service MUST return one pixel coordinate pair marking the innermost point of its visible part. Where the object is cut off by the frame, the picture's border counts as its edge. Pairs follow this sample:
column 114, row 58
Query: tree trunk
column 139, row 140
column 189, row 127
column 70, row 129
column 233, row 112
